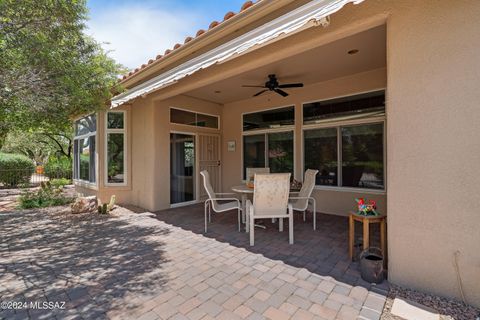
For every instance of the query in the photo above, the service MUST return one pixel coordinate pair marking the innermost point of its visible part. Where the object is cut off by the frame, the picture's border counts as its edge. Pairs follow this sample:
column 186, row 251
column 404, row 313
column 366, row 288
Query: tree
column 50, row 71
column 39, row 145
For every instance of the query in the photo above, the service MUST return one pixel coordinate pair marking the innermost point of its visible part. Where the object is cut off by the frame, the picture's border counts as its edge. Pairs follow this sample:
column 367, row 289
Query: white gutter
column 316, row 10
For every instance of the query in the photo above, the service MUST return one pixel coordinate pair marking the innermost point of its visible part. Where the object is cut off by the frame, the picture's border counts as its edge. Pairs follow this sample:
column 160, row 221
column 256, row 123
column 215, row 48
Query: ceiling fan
column 273, row 85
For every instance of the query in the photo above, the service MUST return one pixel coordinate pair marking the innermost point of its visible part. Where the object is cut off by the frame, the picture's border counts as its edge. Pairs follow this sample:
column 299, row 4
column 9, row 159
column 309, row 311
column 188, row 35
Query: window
column 269, row 119
column 364, row 105
column 272, row 150
column 362, row 156
column 115, row 148
column 280, row 151
column 193, row 119
column 320, row 147
column 273, row 147
column 84, row 149
column 347, row 154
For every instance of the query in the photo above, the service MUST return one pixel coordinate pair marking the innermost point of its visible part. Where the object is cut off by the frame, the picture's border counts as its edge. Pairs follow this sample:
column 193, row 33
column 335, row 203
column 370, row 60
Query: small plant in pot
column 366, row 208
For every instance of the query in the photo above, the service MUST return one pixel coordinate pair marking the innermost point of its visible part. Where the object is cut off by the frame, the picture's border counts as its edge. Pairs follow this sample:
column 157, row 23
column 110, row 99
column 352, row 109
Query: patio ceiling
column 316, row 65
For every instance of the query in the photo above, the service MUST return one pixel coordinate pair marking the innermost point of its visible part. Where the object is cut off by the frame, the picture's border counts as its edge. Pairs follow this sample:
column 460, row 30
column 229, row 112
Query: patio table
column 244, row 192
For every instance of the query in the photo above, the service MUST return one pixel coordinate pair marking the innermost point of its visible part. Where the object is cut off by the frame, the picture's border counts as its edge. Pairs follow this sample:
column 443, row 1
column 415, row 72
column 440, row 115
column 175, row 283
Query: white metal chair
column 250, row 172
column 213, row 198
column 301, row 200
column 270, row 200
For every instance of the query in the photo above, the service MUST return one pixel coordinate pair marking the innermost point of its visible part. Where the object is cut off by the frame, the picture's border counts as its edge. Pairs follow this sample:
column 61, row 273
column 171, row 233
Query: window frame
column 78, row 181
column 265, row 132
column 125, row 149
column 194, row 112
column 338, row 126
column 281, row 128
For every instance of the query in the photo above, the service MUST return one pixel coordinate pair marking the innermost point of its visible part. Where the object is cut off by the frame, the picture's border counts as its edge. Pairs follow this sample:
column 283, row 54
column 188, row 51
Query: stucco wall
column 433, row 135
column 330, row 201
column 433, row 118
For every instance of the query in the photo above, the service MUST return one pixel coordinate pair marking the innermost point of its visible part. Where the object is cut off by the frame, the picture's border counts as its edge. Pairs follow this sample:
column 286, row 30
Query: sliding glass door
column 182, row 168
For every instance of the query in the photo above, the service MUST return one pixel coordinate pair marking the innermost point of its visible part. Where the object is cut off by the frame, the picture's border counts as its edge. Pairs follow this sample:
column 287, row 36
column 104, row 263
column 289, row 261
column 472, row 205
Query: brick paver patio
column 160, row 266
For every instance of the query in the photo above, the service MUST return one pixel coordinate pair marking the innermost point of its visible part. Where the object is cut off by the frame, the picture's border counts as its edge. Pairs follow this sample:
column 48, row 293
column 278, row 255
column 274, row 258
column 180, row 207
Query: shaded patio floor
column 323, row 251
column 129, row 265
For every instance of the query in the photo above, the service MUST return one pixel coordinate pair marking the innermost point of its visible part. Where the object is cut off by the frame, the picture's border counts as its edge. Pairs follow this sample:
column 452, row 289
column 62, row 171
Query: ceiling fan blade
column 259, row 93
column 291, row 85
column 249, row 86
column 281, row 92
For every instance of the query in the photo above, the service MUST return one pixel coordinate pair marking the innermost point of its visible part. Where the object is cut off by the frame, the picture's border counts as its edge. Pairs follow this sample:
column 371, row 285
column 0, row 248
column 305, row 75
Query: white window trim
column 337, row 125
column 125, row 150
column 81, row 182
column 195, row 112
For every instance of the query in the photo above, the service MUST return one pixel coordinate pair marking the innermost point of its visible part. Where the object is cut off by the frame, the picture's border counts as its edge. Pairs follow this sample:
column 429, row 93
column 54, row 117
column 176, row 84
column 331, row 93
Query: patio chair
column 270, row 200
column 300, row 200
column 213, row 198
column 252, row 171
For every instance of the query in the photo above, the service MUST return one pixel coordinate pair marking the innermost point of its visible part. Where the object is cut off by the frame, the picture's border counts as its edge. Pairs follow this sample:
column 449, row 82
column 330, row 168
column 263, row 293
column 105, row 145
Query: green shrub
column 46, row 196
column 60, row 182
column 15, row 169
column 58, row 167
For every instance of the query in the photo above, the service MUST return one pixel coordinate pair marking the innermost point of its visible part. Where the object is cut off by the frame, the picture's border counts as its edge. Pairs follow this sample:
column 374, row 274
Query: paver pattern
column 150, row 266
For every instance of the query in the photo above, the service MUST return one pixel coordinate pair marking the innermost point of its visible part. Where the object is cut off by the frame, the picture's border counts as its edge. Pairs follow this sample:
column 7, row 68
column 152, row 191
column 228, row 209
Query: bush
column 58, row 167
column 15, row 169
column 46, row 196
column 60, row 182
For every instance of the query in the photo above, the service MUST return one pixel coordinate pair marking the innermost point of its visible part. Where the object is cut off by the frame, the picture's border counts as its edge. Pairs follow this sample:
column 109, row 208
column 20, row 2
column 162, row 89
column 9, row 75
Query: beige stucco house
column 389, row 110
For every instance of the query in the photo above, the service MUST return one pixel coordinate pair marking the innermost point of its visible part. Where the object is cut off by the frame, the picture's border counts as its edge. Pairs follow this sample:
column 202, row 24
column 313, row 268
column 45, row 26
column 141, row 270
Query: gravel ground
column 449, row 309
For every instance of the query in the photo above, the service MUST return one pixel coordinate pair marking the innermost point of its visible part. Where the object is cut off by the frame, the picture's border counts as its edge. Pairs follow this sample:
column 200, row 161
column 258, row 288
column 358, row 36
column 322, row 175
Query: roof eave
column 240, row 20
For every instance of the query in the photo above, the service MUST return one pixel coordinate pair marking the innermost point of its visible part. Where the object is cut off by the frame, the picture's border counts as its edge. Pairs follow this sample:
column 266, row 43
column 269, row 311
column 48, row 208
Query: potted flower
column 366, row 208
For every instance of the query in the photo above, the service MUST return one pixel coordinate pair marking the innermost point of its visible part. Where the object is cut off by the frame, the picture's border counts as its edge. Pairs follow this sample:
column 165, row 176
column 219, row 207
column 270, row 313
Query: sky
column 135, row 31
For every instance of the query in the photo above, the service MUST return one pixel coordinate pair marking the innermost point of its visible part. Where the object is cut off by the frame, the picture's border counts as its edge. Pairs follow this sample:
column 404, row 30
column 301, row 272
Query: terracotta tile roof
column 200, row 32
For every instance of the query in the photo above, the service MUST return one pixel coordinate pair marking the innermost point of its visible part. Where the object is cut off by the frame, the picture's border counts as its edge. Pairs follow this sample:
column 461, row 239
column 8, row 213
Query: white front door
column 209, row 159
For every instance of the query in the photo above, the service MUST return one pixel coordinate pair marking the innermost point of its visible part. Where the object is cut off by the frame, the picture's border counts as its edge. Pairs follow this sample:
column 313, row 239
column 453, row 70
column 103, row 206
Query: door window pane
column 362, row 156
column 115, row 120
column 280, row 152
column 182, row 168
column 116, row 156
column 253, row 152
column 269, row 119
column 320, row 153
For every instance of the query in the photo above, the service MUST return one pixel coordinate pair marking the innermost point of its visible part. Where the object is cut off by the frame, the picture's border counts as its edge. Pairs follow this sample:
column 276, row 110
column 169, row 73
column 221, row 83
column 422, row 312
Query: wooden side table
column 366, row 220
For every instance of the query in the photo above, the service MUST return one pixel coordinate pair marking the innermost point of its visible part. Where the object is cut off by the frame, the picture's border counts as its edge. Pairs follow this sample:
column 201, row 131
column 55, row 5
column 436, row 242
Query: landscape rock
column 84, row 205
